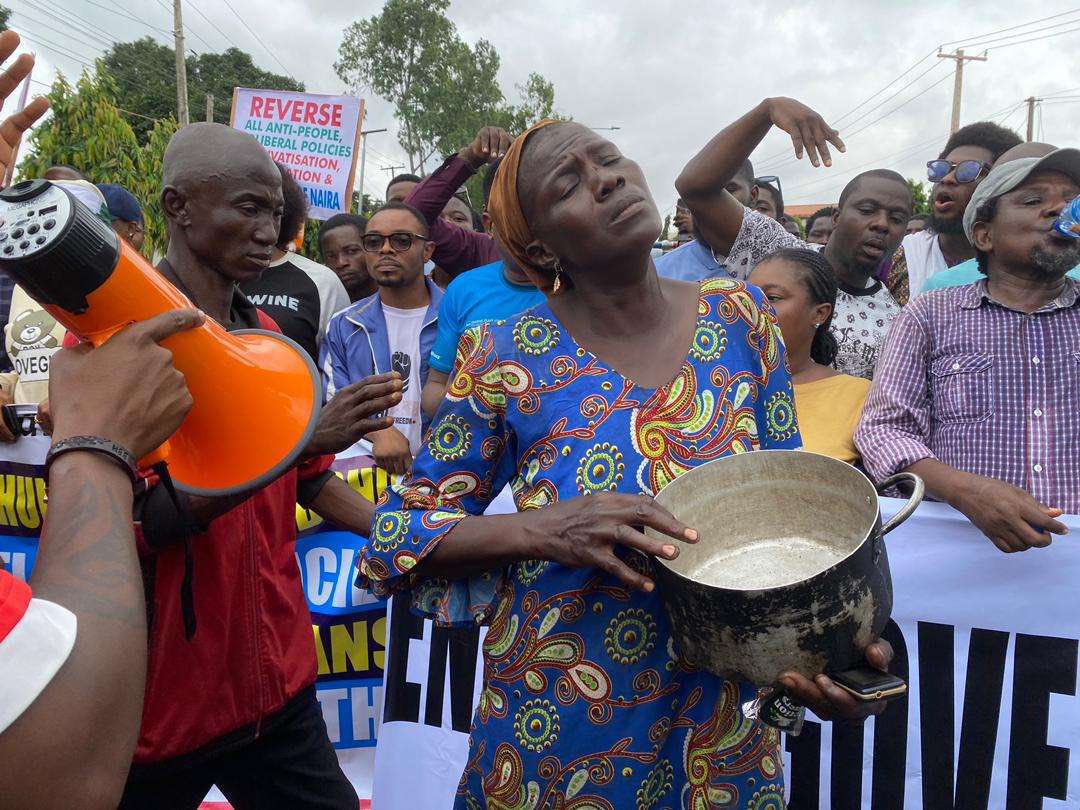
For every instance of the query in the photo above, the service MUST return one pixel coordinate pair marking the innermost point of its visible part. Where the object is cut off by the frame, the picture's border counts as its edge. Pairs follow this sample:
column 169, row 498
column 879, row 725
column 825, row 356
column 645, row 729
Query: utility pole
column 958, row 83
column 363, row 160
column 181, row 66
column 1031, row 117
column 210, row 107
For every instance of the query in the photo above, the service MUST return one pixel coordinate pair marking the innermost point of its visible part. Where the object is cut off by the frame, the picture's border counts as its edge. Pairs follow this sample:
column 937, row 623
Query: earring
column 558, row 278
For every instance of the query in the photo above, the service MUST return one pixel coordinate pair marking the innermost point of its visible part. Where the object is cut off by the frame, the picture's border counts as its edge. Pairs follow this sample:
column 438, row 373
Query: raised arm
column 456, row 249
column 72, row 747
column 702, row 183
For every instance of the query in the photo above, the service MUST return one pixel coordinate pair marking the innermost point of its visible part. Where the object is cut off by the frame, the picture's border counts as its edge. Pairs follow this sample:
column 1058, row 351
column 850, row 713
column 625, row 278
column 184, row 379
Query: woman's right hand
column 583, row 533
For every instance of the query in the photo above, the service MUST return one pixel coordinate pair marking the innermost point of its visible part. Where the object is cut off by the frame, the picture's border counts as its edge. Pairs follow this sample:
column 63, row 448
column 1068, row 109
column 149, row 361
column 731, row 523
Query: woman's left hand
column 827, row 700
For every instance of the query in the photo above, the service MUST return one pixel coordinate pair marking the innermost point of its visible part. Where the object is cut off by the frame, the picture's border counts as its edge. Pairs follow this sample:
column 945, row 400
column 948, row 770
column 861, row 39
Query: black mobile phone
column 869, row 684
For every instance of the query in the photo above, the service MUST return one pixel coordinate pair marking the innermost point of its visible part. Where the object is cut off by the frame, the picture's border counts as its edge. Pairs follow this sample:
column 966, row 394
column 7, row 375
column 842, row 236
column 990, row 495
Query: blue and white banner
column 988, row 644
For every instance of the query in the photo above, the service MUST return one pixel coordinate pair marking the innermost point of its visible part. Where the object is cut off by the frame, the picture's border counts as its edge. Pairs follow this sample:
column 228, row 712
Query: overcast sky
column 669, row 75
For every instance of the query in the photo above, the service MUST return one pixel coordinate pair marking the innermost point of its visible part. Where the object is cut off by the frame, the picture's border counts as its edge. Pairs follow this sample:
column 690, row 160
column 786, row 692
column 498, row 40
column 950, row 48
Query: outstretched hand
column 13, row 127
column 807, row 129
column 354, row 412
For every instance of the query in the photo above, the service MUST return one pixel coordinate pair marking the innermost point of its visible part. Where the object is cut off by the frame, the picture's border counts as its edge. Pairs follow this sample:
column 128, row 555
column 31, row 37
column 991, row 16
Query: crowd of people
column 534, row 346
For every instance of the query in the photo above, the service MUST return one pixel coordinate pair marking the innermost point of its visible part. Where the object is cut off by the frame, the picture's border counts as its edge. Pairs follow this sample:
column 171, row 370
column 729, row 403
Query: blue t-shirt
column 480, row 295
column 966, row 273
column 690, row 262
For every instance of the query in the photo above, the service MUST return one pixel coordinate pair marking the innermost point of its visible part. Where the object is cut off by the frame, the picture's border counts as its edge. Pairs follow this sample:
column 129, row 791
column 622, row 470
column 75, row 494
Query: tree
column 443, row 90
column 5, row 15
column 87, row 131
column 144, row 75
column 920, row 200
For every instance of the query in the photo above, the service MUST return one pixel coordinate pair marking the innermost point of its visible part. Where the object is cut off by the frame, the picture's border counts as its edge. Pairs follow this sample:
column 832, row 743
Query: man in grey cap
column 978, row 387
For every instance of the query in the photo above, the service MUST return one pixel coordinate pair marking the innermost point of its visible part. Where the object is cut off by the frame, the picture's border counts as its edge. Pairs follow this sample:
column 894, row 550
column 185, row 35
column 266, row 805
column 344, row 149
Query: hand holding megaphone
column 126, row 390
column 256, row 393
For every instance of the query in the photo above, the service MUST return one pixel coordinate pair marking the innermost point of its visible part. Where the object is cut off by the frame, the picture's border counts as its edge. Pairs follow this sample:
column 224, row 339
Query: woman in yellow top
column 802, row 287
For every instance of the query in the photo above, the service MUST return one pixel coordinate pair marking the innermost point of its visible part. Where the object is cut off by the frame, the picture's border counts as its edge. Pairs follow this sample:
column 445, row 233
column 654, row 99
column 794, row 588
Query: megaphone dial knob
column 29, row 225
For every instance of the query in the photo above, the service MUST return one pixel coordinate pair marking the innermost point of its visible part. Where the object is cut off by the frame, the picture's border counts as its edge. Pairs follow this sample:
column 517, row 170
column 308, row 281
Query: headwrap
column 504, row 207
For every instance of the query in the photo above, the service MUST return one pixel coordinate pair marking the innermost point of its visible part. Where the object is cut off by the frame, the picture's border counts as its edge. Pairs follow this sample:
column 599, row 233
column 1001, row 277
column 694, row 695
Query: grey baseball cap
column 1004, row 177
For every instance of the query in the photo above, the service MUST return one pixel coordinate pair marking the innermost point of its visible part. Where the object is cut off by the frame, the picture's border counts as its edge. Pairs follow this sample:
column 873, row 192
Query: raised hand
column 13, row 127
column 807, row 129
column 490, row 144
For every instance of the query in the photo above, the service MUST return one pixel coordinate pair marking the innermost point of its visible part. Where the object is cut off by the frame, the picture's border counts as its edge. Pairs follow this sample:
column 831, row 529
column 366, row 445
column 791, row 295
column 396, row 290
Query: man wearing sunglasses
column 392, row 330
column 968, row 156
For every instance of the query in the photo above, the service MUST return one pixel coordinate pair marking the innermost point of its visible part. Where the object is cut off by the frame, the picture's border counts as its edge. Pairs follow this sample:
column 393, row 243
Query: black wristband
column 94, row 444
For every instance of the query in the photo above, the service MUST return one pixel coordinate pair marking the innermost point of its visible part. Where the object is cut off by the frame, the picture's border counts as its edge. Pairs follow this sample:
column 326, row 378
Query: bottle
column 1068, row 221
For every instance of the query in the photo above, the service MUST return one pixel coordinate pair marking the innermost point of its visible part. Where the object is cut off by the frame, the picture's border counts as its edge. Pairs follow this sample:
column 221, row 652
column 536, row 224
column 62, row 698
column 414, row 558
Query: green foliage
column 85, row 130
column 443, row 90
column 920, row 199
column 5, row 15
column 144, row 75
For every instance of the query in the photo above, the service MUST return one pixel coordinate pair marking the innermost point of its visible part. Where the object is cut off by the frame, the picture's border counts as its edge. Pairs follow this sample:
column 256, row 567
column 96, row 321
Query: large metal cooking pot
column 790, row 572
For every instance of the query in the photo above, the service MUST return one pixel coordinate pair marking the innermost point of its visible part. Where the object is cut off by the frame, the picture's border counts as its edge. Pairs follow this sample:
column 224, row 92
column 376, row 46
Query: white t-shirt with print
column 861, row 319
column 403, row 327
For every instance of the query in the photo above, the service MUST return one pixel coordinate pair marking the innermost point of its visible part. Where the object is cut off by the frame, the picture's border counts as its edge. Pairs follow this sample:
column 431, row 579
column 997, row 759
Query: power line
column 64, row 22
column 1010, row 28
column 258, row 39
column 768, row 161
column 902, row 154
column 60, row 50
column 1036, row 39
column 124, row 14
column 211, row 23
column 984, row 42
column 946, row 77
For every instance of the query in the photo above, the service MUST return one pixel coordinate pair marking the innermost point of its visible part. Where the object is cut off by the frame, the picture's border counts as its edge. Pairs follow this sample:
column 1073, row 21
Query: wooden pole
column 181, row 66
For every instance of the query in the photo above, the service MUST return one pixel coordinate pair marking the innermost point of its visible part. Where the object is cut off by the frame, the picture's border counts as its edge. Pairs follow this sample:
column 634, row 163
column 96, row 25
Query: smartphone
column 869, row 684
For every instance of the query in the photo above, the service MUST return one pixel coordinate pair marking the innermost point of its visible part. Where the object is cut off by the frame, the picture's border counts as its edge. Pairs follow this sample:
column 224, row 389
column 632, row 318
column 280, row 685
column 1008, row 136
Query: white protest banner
column 433, row 681
column 315, row 136
column 988, row 645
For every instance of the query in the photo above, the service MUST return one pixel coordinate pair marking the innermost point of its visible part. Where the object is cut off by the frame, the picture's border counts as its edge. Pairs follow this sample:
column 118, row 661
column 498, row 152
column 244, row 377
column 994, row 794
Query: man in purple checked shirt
column 978, row 387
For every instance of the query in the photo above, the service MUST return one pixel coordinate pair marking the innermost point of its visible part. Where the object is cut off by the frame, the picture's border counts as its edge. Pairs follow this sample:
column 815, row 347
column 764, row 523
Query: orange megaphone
column 257, row 394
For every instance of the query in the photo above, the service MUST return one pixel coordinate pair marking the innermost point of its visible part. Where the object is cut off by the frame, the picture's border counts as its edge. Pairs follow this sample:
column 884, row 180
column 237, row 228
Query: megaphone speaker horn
column 257, row 394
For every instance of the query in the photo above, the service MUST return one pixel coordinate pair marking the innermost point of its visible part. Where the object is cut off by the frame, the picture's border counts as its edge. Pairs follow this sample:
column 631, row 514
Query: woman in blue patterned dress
column 587, row 406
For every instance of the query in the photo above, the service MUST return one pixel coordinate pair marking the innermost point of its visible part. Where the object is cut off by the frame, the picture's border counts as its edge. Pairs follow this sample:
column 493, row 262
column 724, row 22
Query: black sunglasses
column 771, row 179
column 967, row 171
column 400, row 241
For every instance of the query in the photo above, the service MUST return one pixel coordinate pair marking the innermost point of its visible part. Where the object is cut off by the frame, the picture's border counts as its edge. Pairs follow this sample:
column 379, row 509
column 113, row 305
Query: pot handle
column 912, row 503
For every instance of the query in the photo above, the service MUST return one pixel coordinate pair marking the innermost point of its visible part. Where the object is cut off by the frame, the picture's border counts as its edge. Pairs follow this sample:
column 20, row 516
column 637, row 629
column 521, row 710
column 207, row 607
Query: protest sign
column 988, row 645
column 314, row 136
column 986, row 641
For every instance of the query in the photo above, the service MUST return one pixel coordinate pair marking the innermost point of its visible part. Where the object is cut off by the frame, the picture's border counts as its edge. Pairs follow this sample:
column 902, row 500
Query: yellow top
column 828, row 411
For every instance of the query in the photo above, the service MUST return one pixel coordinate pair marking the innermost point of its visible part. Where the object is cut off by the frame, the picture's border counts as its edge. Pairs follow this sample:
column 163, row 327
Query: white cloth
column 31, row 654
column 924, row 258
column 403, row 327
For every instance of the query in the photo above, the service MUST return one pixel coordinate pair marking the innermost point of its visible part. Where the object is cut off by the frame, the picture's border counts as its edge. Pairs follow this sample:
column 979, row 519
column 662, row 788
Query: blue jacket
column 356, row 344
